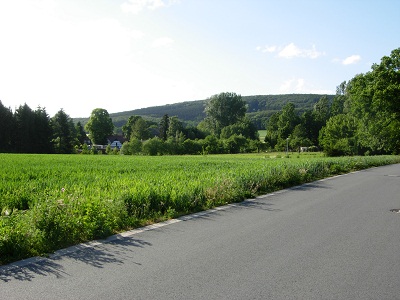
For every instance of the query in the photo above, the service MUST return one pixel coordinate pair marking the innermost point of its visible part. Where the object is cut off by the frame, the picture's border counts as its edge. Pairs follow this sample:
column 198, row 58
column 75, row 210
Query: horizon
column 125, row 55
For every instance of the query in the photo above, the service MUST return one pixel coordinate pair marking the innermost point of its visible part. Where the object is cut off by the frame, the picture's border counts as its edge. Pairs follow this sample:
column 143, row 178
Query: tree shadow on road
column 257, row 204
column 115, row 251
column 310, row 186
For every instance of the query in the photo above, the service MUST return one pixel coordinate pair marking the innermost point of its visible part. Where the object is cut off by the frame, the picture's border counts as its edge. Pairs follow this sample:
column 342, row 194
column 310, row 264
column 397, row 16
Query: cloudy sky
column 126, row 54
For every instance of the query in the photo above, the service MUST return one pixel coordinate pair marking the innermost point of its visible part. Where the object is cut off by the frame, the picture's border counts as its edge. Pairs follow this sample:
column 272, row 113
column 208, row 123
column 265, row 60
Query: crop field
column 48, row 202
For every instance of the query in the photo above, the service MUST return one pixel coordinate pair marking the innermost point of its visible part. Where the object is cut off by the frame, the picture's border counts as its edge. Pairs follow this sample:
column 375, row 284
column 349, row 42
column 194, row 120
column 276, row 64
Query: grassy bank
column 49, row 202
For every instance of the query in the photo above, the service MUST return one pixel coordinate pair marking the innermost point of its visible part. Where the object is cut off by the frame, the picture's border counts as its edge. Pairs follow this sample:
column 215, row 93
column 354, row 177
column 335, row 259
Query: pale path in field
column 331, row 239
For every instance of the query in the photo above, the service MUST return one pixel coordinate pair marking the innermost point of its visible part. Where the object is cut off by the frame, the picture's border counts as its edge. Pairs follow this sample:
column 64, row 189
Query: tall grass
column 52, row 201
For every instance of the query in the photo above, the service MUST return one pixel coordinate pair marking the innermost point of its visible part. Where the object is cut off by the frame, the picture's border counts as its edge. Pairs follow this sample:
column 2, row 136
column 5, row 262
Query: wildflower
column 63, row 190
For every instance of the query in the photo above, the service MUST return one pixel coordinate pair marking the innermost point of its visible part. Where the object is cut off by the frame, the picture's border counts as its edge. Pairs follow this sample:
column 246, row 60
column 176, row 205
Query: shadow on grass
column 115, row 251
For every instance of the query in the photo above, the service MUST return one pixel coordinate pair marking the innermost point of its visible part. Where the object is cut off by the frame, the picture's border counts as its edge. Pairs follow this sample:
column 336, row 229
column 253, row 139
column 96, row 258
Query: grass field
column 52, row 201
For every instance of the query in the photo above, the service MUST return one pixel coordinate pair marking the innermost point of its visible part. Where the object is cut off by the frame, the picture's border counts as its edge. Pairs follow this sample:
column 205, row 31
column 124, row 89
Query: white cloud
column 299, row 85
column 136, row 6
column 162, row 42
column 291, row 51
column 353, row 59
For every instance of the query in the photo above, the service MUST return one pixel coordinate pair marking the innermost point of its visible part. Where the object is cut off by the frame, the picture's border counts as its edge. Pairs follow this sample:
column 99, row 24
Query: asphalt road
column 331, row 239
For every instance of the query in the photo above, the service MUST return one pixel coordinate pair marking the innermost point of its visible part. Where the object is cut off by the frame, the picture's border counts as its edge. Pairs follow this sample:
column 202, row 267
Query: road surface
column 331, row 239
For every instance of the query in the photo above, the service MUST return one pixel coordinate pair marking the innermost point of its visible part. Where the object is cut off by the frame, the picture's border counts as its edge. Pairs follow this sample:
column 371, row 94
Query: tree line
column 33, row 131
column 225, row 129
column 362, row 119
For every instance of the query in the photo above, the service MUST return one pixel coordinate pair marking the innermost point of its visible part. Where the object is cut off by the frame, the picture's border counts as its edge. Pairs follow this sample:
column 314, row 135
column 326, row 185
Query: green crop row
column 48, row 202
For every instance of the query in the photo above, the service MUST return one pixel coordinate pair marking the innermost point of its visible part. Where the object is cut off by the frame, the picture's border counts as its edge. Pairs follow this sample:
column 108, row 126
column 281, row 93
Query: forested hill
column 260, row 108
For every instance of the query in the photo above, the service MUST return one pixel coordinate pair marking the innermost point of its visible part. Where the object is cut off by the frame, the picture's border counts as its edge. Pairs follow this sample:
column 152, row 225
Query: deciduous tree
column 374, row 100
column 223, row 110
column 99, row 126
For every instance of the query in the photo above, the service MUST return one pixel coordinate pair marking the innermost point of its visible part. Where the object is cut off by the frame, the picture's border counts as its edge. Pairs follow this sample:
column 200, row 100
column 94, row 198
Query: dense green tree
column 322, row 110
column 140, row 129
column 244, row 128
column 287, row 120
column 272, row 135
column 321, row 114
column 223, row 110
column 64, row 134
column 192, row 146
column 310, row 127
column 42, row 132
column 134, row 146
column 212, row 145
column 175, row 127
column 338, row 103
column 24, row 138
column 163, row 127
column 7, row 127
column 235, row 144
column 338, row 136
column 299, row 138
column 193, row 133
column 154, row 146
column 174, row 145
column 374, row 100
column 204, row 127
column 80, row 134
column 99, row 126
column 127, row 128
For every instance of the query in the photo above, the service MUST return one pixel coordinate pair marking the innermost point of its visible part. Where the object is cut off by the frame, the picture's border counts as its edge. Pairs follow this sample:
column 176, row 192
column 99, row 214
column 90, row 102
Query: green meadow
column 48, row 202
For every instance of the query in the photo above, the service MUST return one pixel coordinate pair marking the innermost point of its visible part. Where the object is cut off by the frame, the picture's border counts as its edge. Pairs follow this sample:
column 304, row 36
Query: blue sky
column 126, row 54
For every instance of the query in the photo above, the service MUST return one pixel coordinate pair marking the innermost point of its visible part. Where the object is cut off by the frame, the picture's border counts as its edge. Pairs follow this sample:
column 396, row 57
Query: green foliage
column 164, row 125
column 99, row 126
column 108, row 149
column 337, row 137
column 64, row 134
column 140, row 129
column 85, row 149
column 50, row 202
column 127, row 128
column 299, row 138
column 373, row 99
column 223, row 110
column 175, row 127
column 80, row 134
column 154, row 146
column 6, row 127
column 260, row 108
column 287, row 120
column 32, row 131
column 244, row 128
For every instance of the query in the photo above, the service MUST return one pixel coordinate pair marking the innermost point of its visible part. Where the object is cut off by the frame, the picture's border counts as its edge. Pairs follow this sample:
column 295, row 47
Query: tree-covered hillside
column 260, row 108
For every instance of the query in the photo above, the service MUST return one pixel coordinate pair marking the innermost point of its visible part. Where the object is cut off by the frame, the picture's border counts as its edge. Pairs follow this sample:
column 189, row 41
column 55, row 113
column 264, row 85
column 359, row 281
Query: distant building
column 115, row 141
